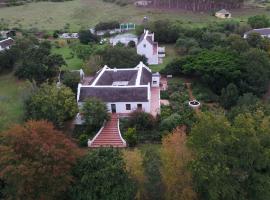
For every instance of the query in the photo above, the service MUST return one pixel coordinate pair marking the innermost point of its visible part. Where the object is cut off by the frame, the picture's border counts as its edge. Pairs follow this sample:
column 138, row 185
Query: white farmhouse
column 149, row 48
column 124, row 90
column 264, row 32
column 124, row 39
column 6, row 44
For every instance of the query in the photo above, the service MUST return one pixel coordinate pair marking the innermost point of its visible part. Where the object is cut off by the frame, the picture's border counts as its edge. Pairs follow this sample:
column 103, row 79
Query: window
column 154, row 82
column 128, row 107
column 144, row 45
column 139, row 106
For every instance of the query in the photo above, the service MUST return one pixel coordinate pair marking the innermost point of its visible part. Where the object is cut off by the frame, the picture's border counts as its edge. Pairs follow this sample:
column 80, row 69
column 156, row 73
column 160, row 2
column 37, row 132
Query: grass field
column 12, row 92
column 86, row 13
column 73, row 62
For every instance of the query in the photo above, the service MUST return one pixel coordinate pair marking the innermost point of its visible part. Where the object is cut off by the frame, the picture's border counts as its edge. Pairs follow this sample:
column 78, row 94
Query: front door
column 113, row 108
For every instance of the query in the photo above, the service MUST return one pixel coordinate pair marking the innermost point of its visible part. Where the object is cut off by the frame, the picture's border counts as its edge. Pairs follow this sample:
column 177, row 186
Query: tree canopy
column 52, row 103
column 121, row 57
column 36, row 161
column 94, row 114
column 101, row 174
column 231, row 159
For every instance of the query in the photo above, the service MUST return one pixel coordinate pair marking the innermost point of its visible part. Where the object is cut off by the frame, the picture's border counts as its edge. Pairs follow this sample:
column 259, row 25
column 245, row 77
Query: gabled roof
column 223, row 11
column 109, row 77
column 148, row 36
column 118, row 85
column 115, row 94
column 6, row 43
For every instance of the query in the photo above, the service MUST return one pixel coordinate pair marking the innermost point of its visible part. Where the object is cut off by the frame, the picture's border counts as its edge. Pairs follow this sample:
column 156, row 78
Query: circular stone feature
column 194, row 104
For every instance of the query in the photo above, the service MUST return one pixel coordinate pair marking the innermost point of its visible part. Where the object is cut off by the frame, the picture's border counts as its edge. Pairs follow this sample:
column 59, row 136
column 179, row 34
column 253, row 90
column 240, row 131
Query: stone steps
column 109, row 136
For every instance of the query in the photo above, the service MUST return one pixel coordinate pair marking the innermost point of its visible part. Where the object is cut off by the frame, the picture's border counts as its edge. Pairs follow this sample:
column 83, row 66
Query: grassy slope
column 11, row 103
column 86, row 13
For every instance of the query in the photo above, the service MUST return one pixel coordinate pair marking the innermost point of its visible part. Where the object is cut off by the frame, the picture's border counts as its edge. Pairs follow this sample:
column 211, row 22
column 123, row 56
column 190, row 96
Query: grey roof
column 108, row 77
column 146, row 77
column 115, row 94
column 6, row 43
column 262, row 31
column 141, row 38
column 223, row 11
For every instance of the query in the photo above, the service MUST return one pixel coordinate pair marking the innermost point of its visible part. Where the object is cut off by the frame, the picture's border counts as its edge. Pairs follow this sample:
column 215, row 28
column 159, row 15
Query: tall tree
column 175, row 157
column 51, row 103
column 101, row 174
column 36, row 161
column 94, row 114
column 231, row 159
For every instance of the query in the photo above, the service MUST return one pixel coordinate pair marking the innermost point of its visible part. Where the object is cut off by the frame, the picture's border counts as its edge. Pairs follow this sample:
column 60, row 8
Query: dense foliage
column 55, row 104
column 101, row 26
column 94, row 114
column 36, row 161
column 86, row 37
column 232, row 159
column 259, row 21
column 175, row 157
column 218, row 68
column 35, row 62
column 101, row 174
column 121, row 57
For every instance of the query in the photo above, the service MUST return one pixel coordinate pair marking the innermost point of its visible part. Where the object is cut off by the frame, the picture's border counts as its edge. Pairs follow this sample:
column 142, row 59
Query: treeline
column 198, row 5
column 22, row 2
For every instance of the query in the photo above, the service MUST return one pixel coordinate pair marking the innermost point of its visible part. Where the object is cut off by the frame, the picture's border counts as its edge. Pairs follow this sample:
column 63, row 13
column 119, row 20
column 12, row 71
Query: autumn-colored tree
column 175, row 156
column 36, row 161
column 134, row 166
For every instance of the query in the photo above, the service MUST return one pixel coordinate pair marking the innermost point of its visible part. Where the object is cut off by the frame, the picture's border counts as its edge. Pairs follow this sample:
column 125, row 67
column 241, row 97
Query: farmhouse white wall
column 155, row 81
column 121, row 106
column 146, row 49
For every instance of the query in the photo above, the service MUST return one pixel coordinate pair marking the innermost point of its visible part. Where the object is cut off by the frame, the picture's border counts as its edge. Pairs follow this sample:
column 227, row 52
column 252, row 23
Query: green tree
column 231, row 159
column 36, row 161
column 259, row 21
column 71, row 79
column 229, row 96
column 94, row 114
column 151, row 163
column 86, row 37
column 35, row 61
column 255, row 72
column 101, row 174
column 121, row 57
column 185, row 45
column 131, row 137
column 254, row 40
column 51, row 103
column 171, row 122
column 237, row 43
column 141, row 120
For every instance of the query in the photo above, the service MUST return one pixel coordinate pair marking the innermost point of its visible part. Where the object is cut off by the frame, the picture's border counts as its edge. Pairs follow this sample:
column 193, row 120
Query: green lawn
column 12, row 93
column 73, row 62
column 86, row 13
column 170, row 55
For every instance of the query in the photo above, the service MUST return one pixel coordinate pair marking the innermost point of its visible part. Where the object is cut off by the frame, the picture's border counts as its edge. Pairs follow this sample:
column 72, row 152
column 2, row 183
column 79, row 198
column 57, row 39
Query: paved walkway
column 155, row 101
column 191, row 97
column 109, row 135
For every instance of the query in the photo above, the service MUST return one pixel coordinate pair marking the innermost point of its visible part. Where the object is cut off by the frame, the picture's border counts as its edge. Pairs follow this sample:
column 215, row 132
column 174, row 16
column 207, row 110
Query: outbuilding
column 223, row 14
